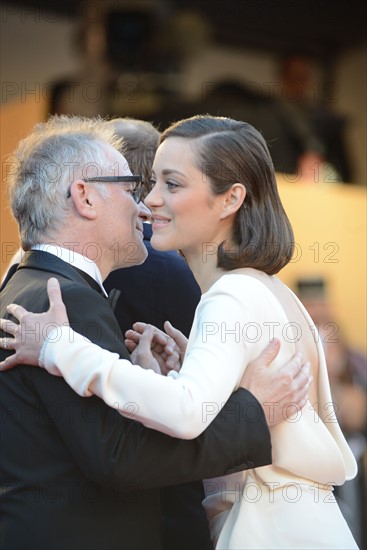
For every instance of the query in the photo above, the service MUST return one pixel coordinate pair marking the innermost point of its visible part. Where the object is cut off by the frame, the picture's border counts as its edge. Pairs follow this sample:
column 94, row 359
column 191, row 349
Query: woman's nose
column 154, row 198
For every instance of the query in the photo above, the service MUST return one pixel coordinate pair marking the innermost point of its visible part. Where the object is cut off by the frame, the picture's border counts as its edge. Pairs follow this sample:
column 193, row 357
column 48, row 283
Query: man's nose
column 144, row 212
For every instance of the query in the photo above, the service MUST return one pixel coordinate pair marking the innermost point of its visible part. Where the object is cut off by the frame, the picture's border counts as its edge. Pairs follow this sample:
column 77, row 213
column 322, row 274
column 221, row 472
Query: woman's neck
column 204, row 268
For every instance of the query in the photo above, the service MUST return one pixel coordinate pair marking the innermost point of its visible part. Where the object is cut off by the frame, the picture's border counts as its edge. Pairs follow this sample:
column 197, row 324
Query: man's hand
column 280, row 390
column 29, row 335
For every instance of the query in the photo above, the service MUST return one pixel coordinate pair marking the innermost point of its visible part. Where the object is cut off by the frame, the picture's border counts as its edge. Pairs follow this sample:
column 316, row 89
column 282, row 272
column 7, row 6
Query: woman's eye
column 152, row 182
column 171, row 185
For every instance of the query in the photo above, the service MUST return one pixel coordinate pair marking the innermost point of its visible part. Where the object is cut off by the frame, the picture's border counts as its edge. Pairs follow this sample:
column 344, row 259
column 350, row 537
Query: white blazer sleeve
column 181, row 405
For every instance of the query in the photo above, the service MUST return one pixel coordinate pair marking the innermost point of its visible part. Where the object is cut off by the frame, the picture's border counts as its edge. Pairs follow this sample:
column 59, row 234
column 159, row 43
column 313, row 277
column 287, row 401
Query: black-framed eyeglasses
column 135, row 191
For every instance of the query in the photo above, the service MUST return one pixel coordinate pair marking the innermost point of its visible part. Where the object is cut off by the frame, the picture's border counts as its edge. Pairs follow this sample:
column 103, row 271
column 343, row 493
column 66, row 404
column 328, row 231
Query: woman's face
column 186, row 215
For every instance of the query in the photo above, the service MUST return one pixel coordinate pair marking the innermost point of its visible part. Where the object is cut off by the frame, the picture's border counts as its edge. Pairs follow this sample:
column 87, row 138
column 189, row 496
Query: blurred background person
column 347, row 369
column 134, row 60
column 310, row 135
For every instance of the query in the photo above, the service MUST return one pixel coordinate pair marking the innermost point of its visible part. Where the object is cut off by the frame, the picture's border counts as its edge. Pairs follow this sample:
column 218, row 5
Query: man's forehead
column 118, row 163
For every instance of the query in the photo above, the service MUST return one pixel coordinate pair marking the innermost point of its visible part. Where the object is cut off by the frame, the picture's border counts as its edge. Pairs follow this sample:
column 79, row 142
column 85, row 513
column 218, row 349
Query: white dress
column 286, row 505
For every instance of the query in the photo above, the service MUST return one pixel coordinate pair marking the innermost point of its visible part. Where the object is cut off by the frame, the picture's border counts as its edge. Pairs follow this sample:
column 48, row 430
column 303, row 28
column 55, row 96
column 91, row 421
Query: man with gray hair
column 74, row 473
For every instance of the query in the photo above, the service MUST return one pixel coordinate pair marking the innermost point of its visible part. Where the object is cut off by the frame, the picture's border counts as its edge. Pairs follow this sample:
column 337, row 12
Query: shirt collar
column 75, row 259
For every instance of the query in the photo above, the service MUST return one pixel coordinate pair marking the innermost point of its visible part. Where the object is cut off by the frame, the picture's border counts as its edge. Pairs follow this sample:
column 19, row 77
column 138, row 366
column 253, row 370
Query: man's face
column 120, row 219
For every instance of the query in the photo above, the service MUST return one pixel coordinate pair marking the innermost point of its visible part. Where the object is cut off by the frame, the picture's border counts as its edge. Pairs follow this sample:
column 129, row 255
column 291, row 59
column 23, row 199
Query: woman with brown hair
column 215, row 198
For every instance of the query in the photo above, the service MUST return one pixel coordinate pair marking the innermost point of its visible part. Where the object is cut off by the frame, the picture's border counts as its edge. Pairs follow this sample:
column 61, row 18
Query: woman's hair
column 45, row 164
column 229, row 151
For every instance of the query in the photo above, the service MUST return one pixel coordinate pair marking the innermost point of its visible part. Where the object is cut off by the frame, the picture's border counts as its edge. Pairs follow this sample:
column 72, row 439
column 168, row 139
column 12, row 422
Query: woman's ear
column 84, row 198
column 233, row 199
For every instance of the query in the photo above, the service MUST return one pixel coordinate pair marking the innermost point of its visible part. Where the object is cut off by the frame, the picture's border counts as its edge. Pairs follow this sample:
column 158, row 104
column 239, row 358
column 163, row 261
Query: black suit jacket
column 74, row 473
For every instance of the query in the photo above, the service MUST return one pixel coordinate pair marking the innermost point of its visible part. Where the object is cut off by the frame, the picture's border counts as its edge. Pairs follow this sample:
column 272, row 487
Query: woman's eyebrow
column 171, row 171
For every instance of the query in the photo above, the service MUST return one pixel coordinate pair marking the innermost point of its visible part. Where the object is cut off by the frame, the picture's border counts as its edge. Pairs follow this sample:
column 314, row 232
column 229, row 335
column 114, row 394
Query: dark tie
column 113, row 297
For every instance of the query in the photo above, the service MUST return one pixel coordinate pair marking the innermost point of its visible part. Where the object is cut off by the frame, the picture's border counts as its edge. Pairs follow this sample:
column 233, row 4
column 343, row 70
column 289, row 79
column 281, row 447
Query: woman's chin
column 160, row 244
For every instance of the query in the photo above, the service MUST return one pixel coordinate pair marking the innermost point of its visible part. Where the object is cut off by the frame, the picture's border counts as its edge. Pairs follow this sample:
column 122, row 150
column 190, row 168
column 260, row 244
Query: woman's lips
column 159, row 221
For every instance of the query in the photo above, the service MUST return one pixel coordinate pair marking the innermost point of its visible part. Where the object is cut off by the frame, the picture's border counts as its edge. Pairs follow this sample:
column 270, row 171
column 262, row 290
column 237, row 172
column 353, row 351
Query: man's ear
column 84, row 197
column 233, row 200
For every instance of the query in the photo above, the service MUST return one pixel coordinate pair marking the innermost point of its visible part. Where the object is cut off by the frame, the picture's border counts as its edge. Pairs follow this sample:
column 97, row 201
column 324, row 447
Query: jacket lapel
column 44, row 261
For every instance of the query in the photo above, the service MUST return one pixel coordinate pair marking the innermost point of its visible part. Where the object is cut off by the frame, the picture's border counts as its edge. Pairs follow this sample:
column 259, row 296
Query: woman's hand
column 29, row 335
column 144, row 354
column 179, row 338
column 168, row 348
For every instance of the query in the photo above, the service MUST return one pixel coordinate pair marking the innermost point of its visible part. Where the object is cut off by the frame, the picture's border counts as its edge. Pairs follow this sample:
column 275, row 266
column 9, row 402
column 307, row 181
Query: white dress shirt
column 75, row 259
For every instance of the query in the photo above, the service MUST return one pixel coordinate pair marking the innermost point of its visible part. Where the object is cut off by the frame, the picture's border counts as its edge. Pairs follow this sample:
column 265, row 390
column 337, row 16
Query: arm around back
column 113, row 449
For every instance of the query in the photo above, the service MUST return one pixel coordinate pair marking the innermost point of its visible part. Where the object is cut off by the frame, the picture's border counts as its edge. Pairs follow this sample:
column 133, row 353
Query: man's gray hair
column 46, row 163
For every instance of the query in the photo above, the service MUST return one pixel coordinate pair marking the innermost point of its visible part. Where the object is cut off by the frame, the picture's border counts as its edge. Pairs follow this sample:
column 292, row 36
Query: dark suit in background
column 163, row 288
column 74, row 473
